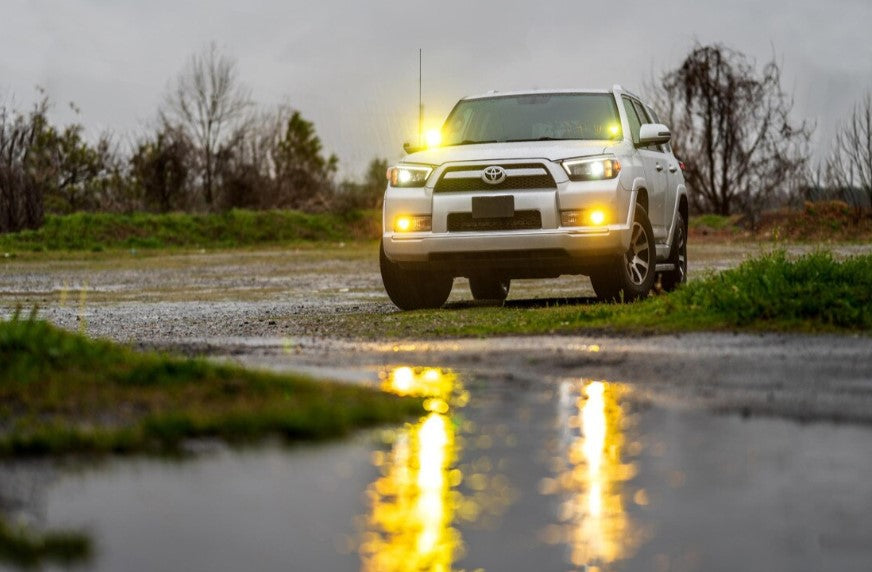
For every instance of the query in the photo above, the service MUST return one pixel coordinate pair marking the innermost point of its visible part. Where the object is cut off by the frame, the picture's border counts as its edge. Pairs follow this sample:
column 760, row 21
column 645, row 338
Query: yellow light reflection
column 412, row 503
column 597, row 525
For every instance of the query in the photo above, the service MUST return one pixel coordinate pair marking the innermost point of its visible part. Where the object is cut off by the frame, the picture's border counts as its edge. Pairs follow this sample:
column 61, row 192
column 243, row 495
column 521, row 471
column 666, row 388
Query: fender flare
column 681, row 192
column 639, row 183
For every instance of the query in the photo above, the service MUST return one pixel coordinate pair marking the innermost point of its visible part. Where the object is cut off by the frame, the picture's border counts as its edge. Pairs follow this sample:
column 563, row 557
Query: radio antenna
column 420, row 102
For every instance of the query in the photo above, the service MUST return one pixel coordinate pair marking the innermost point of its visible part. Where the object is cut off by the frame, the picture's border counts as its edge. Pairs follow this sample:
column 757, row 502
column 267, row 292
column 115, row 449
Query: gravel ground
column 169, row 299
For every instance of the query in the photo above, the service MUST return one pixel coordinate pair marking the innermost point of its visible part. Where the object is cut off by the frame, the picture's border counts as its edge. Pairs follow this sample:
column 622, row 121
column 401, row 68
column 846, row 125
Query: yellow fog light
column 413, row 223
column 597, row 217
column 583, row 217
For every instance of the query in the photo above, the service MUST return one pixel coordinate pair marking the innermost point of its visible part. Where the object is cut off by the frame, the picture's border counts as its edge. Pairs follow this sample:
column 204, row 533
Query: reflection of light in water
column 432, row 440
column 402, row 379
column 597, row 526
column 412, row 504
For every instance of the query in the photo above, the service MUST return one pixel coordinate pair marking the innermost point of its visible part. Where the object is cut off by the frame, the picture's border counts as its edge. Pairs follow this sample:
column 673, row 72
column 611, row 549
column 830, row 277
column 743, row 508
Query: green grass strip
column 106, row 231
column 23, row 547
column 64, row 393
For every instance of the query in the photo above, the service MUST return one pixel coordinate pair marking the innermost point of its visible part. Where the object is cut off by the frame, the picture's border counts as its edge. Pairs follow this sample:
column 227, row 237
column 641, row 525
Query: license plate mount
column 502, row 206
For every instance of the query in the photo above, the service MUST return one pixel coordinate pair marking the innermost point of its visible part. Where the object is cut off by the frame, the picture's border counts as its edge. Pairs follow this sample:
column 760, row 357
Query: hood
column 491, row 152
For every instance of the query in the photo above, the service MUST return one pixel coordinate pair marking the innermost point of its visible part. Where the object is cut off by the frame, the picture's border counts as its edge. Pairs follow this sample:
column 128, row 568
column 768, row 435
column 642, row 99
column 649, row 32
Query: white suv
column 535, row 185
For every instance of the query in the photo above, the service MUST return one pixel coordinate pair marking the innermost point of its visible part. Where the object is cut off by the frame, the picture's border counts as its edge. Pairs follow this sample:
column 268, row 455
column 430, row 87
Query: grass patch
column 23, row 547
column 104, row 231
column 712, row 221
column 810, row 293
column 61, row 393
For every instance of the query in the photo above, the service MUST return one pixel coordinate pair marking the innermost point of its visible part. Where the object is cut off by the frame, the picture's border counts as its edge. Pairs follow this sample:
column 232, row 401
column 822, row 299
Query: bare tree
column 849, row 168
column 732, row 127
column 207, row 103
column 21, row 183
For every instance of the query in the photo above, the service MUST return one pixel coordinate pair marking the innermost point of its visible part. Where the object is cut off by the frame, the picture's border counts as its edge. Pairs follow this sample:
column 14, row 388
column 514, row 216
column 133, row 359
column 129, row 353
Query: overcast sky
column 351, row 67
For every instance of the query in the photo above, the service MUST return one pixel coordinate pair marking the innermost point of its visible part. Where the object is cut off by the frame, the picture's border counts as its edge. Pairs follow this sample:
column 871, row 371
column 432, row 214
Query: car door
column 655, row 167
column 674, row 177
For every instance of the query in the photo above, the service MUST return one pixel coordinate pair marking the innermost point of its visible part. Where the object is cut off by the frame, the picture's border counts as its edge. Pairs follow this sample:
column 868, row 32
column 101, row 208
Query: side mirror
column 410, row 148
column 654, row 134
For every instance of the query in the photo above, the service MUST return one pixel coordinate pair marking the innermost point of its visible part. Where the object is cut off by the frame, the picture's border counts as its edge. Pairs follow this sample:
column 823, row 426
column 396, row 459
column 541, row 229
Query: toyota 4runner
column 535, row 185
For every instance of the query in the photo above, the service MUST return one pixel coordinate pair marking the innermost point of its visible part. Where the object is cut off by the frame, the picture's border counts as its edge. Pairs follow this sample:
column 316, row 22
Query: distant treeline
column 211, row 149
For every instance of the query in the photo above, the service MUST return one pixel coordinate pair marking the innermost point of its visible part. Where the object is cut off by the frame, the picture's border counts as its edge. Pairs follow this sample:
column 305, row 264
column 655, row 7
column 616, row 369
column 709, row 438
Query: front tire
column 629, row 276
column 413, row 290
column 489, row 288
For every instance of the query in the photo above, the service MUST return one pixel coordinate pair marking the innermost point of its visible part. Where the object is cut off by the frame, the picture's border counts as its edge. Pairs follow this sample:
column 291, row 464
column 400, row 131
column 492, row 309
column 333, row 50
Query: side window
column 633, row 118
column 646, row 118
column 643, row 114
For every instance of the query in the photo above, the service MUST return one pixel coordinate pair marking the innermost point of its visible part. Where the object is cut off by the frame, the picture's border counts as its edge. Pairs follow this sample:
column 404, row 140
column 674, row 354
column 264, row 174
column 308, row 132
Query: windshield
column 537, row 117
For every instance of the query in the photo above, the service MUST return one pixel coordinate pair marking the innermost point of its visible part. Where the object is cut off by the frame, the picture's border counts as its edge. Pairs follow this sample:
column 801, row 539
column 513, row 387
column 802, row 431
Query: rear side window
column 633, row 118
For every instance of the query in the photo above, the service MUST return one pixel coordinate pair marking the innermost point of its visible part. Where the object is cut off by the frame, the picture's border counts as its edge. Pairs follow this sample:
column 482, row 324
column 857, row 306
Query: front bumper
column 576, row 243
column 547, row 251
column 514, row 254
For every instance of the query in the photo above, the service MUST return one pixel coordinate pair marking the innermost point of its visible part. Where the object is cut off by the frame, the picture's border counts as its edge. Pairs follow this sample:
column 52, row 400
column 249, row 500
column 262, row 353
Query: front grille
column 523, row 220
column 520, row 176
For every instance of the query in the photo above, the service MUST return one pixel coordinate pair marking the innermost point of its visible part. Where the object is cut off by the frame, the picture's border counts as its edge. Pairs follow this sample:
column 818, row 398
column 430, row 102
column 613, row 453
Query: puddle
column 500, row 474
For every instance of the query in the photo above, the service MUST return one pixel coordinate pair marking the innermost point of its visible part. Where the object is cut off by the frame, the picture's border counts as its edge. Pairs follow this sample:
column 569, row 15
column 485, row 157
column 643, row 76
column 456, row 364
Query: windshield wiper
column 546, row 138
column 473, row 142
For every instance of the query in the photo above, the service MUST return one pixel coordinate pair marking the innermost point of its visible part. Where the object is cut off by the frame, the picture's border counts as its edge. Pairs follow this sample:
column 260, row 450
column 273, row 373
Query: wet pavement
column 666, row 453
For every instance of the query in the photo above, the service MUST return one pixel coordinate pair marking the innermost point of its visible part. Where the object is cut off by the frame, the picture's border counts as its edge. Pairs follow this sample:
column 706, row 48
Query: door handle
column 672, row 168
column 659, row 167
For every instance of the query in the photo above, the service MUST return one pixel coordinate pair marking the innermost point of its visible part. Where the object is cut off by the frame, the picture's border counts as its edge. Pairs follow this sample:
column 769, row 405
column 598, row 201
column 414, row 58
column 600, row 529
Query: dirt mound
column 816, row 221
column 825, row 221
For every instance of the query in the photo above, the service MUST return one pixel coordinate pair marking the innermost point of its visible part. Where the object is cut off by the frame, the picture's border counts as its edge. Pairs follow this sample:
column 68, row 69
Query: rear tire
column 672, row 279
column 629, row 276
column 489, row 288
column 412, row 289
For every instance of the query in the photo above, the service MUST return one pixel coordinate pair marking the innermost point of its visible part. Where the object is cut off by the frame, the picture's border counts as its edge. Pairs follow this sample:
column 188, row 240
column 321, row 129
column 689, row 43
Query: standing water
column 570, row 474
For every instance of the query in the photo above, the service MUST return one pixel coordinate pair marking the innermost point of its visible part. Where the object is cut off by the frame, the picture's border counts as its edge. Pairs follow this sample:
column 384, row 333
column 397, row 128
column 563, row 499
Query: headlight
column 592, row 168
column 409, row 175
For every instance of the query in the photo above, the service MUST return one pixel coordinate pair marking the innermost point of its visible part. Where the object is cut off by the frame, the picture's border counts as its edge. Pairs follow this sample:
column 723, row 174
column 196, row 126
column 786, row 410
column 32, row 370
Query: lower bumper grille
column 523, row 220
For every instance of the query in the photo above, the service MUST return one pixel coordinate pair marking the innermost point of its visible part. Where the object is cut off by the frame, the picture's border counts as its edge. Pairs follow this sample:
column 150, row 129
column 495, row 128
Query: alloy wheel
column 638, row 256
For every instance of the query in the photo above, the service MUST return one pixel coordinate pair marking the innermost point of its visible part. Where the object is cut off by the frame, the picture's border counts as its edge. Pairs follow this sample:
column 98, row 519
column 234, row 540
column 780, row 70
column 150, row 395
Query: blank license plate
column 493, row 207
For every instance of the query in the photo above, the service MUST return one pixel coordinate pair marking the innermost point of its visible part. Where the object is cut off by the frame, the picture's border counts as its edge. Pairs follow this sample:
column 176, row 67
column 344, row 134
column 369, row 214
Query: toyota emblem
column 493, row 175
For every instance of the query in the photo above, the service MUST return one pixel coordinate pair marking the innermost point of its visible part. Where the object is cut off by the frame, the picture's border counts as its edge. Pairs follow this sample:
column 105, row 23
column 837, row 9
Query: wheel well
column 682, row 209
column 642, row 198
